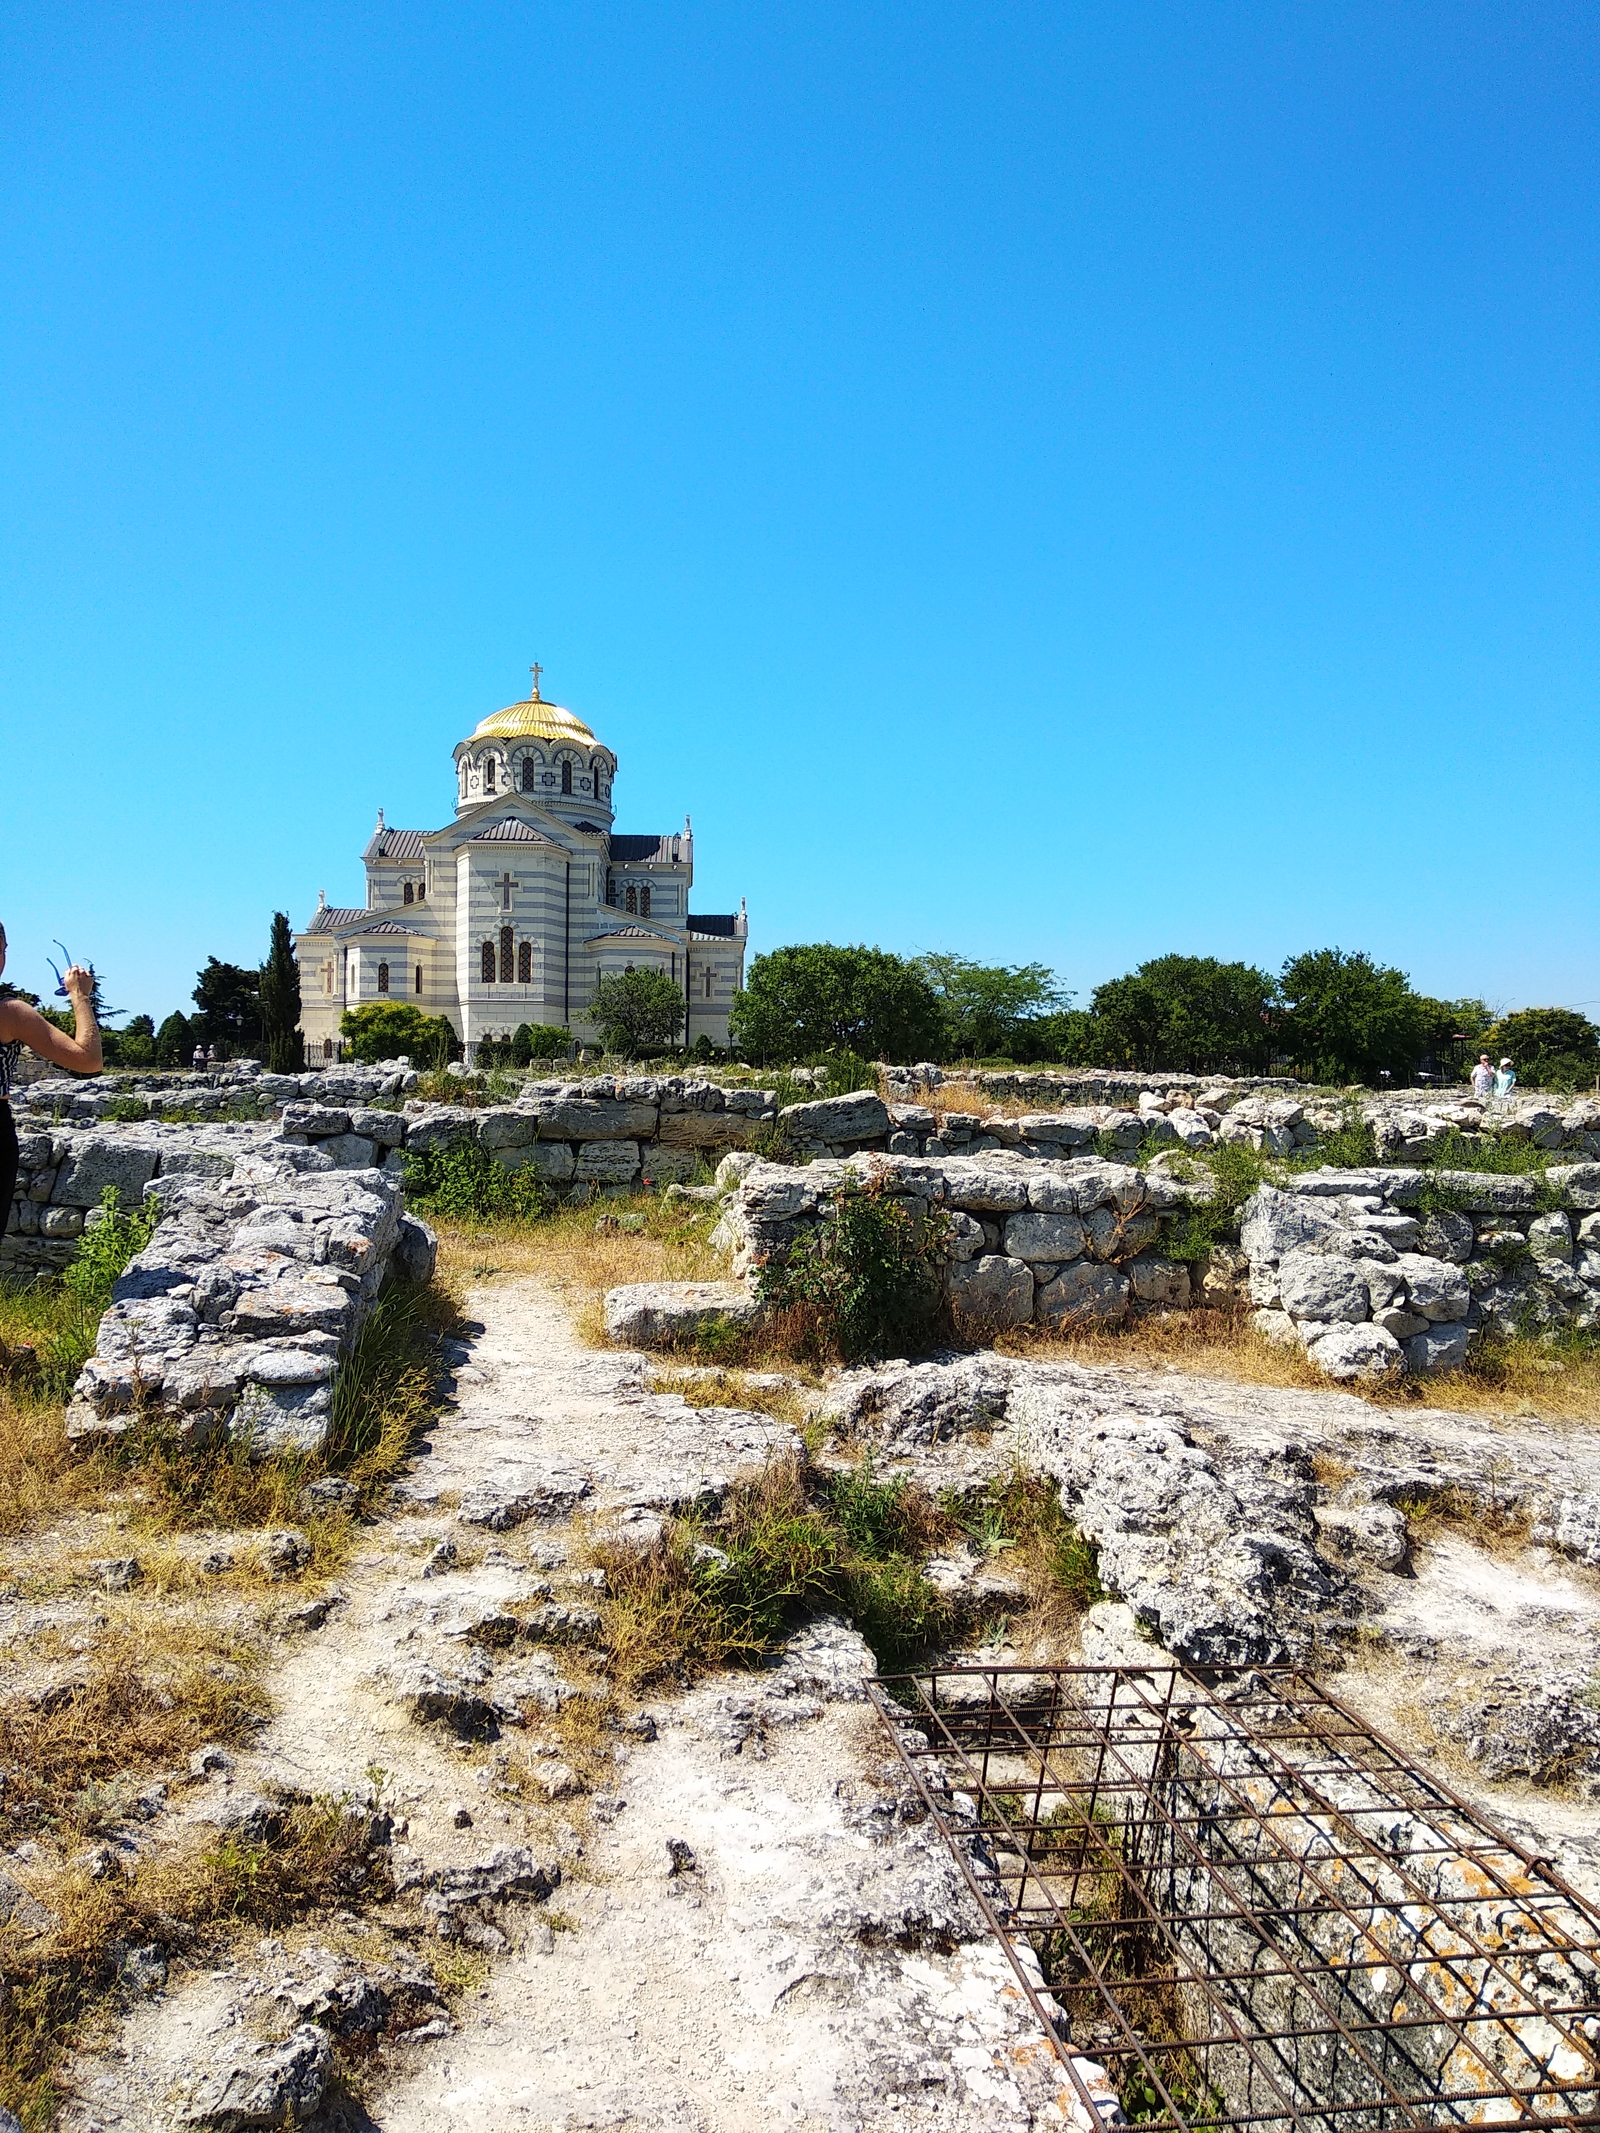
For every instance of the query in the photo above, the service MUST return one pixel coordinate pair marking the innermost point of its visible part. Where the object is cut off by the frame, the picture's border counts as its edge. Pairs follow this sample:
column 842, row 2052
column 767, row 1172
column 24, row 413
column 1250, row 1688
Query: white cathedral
column 514, row 911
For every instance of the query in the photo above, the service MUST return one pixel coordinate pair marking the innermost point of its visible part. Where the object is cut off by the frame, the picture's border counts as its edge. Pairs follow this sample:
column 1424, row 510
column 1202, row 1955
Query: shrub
column 865, row 1281
column 390, row 1029
column 464, row 1181
column 539, row 1040
column 107, row 1248
column 803, row 1002
column 787, row 1544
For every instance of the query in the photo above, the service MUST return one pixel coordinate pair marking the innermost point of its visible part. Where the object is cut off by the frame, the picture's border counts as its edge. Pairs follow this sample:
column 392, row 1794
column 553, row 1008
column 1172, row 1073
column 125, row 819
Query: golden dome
column 534, row 719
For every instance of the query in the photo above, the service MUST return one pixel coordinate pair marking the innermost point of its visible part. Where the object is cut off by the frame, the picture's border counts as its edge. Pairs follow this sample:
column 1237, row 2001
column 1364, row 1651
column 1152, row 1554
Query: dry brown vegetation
column 112, row 1693
column 1558, row 1382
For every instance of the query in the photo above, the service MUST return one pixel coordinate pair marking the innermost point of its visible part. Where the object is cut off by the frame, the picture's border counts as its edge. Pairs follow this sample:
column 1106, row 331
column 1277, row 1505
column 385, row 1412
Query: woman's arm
column 80, row 1053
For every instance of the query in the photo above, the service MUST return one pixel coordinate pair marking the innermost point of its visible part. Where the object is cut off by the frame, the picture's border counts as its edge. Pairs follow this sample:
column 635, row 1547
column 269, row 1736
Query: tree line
column 1329, row 1015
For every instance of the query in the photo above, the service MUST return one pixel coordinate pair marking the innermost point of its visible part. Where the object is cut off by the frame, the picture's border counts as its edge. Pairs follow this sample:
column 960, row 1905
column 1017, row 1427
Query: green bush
column 463, row 1180
column 866, row 1281
column 392, row 1029
column 539, row 1040
column 106, row 1249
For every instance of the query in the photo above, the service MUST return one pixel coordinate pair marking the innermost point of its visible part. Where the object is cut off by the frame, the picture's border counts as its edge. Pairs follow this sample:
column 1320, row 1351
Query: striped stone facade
column 513, row 912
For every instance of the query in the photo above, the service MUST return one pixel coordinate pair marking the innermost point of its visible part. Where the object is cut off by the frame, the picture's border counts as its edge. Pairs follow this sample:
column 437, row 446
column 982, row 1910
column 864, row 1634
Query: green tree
column 1347, row 1018
column 803, row 1002
column 229, row 1000
column 539, row 1040
column 988, row 1006
column 175, row 1042
column 1188, row 1013
column 134, row 1045
column 637, row 1010
column 278, row 988
column 391, row 1029
column 1550, row 1047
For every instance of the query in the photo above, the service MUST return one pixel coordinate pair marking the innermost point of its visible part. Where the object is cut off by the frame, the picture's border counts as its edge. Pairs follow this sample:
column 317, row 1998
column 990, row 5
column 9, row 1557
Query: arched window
column 383, row 977
column 566, row 776
column 599, row 781
column 407, row 894
column 327, row 1047
column 505, row 955
column 488, row 773
column 632, row 898
column 488, row 962
column 529, row 774
column 708, row 981
column 644, row 901
column 419, row 977
column 525, row 962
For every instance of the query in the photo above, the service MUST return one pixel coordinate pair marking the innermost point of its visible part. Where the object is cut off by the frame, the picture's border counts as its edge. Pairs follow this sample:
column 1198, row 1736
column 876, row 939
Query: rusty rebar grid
column 1248, row 1908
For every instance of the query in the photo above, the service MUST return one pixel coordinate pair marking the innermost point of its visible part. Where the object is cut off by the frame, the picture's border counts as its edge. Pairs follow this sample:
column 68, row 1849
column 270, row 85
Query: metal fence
column 1231, row 1902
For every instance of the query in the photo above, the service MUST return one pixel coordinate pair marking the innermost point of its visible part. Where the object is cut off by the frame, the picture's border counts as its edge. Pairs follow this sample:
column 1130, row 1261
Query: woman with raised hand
column 22, row 1025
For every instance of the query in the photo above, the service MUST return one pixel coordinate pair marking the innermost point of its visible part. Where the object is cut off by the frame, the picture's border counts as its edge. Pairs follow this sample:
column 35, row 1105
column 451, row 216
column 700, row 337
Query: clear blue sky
column 1051, row 482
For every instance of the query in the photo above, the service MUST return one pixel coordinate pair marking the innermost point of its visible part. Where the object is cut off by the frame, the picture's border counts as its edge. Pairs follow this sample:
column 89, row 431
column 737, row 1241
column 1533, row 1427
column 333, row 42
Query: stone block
column 1043, row 1236
column 1084, row 1294
column 416, row 1250
column 983, row 1188
column 669, row 1166
column 95, row 1164
column 505, row 1129
column 1160, row 1281
column 1550, row 1236
column 1437, row 1348
column 350, row 1151
column 1113, row 1235
column 552, row 1160
column 655, row 1314
column 437, row 1126
column 61, row 1222
column 315, row 1121
column 1445, row 1235
column 1053, row 1194
column 1434, row 1288
column 1275, row 1223
column 594, row 1118
column 989, row 1293
column 607, row 1162
column 1316, row 1286
column 1276, row 1326
column 1358, row 1353
column 273, row 1419
column 387, row 1128
column 838, row 1120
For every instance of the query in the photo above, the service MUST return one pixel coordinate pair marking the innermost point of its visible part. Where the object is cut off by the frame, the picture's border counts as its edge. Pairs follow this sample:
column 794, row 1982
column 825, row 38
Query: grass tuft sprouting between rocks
column 792, row 1541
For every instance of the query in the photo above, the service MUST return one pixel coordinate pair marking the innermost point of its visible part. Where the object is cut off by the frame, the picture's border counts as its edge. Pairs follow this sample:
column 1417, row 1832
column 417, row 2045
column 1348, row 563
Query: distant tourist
column 1505, row 1079
column 1483, row 1076
column 199, row 1059
column 22, row 1025
column 211, row 1055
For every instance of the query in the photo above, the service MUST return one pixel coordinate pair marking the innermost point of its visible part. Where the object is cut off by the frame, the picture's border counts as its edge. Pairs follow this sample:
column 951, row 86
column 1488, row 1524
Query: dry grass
column 58, row 1984
column 1521, row 1378
column 580, row 1259
column 153, row 1686
column 790, row 1403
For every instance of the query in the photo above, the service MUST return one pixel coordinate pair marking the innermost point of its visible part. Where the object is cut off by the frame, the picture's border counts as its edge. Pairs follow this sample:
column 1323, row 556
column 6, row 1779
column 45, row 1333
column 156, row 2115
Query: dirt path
column 747, row 1922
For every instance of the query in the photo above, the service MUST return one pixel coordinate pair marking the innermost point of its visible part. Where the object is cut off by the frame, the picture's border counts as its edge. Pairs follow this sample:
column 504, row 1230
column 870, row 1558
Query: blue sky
column 1055, row 483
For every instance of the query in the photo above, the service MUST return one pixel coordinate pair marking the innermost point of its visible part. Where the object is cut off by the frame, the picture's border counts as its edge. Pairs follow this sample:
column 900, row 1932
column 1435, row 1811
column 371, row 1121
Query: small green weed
column 106, row 1249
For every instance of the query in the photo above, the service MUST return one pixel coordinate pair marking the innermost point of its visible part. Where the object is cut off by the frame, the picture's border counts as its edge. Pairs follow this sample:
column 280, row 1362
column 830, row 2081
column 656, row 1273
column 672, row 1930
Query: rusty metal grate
column 1231, row 1902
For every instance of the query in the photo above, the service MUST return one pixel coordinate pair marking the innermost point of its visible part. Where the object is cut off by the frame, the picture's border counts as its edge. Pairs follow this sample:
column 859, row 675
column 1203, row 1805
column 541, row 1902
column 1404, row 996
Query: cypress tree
column 280, row 1001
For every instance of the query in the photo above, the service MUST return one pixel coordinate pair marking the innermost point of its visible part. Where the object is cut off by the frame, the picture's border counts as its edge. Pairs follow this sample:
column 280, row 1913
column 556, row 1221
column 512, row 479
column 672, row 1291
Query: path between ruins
column 750, row 1927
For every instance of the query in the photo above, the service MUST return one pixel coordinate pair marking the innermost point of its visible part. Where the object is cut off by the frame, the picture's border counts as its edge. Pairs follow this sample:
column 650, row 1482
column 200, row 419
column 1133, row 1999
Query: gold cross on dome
column 536, row 670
